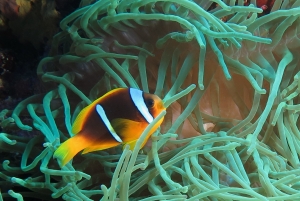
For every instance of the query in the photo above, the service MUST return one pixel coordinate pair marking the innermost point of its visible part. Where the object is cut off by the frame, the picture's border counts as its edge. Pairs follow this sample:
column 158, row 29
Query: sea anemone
column 230, row 80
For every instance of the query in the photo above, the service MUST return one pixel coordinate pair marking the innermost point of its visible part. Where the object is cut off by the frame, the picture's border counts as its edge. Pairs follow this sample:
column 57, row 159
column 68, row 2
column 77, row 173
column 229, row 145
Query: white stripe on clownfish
column 104, row 118
column 138, row 100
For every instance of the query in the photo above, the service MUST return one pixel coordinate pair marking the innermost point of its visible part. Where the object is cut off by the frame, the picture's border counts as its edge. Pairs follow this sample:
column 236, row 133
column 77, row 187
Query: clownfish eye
column 149, row 103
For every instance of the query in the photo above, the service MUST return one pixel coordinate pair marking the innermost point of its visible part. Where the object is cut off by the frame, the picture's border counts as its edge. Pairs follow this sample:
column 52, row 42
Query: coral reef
column 229, row 78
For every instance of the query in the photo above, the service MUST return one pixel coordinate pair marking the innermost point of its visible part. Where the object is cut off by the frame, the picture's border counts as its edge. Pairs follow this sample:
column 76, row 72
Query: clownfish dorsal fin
column 80, row 119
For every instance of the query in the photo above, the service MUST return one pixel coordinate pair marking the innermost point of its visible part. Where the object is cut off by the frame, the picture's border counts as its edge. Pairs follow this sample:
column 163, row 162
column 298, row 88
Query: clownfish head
column 154, row 104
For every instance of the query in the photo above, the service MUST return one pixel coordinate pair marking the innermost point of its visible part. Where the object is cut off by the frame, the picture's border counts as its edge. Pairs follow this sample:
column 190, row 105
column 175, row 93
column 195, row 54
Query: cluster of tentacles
column 231, row 82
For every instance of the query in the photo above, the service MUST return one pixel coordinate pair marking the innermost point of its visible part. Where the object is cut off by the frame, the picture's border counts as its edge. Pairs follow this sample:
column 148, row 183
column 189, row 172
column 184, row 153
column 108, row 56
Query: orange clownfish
column 118, row 117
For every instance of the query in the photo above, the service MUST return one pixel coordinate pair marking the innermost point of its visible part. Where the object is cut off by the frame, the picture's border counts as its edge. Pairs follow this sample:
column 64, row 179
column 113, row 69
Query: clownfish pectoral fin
column 127, row 129
column 68, row 149
column 133, row 143
column 97, row 146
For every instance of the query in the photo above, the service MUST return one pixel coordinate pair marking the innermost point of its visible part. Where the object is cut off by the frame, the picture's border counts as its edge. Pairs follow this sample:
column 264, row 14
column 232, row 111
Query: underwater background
column 228, row 72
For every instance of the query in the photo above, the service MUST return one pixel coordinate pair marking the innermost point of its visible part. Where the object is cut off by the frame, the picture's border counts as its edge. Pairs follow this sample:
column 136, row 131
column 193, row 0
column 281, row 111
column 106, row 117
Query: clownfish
column 118, row 117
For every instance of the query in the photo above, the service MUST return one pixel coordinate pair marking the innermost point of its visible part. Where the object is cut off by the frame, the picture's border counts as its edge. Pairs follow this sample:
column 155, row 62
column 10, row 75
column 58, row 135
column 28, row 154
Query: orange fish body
column 118, row 117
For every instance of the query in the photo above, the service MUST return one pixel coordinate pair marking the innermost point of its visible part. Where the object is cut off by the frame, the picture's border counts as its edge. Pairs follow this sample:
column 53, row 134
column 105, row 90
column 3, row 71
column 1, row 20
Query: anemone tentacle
column 228, row 74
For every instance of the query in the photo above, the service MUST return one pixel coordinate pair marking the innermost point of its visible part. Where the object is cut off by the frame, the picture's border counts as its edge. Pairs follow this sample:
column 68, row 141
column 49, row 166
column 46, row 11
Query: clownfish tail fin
column 68, row 149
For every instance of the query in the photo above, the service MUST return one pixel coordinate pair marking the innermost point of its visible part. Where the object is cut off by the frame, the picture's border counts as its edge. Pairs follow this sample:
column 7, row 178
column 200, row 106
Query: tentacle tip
column 201, row 86
column 143, row 167
column 203, row 46
column 6, row 162
column 27, row 128
column 184, row 189
column 268, row 40
column 228, row 77
column 262, row 91
column 126, row 147
column 13, row 180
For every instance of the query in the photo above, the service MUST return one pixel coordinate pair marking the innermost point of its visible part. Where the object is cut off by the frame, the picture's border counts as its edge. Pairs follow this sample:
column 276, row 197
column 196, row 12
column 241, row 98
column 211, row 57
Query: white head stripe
column 138, row 100
column 104, row 118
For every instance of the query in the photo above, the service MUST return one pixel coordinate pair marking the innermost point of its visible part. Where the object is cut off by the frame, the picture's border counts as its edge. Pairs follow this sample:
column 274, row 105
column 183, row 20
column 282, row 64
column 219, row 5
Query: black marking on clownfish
column 107, row 123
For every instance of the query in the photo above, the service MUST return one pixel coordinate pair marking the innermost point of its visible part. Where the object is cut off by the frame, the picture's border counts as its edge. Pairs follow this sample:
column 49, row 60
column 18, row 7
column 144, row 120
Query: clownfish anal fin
column 127, row 129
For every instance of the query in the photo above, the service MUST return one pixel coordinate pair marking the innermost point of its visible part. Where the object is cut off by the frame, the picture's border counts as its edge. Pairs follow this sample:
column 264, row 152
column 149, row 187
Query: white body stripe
column 104, row 118
column 138, row 100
